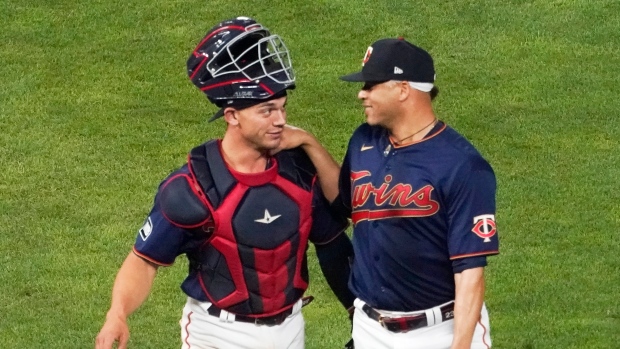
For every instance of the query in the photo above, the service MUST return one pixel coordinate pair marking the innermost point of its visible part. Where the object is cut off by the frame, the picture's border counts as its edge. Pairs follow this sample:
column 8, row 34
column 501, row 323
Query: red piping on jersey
column 143, row 256
column 485, row 253
column 484, row 335
column 396, row 146
column 189, row 321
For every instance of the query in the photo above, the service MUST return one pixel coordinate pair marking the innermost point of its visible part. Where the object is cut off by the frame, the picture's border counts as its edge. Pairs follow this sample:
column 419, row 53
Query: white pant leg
column 482, row 333
column 199, row 330
column 368, row 334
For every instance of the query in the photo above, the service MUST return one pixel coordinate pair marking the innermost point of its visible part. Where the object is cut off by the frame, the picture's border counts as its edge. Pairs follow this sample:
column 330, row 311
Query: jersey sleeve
column 326, row 223
column 471, row 212
column 160, row 241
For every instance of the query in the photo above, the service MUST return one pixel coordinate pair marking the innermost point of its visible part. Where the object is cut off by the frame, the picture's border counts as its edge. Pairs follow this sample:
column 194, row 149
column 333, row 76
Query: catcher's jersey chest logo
column 268, row 218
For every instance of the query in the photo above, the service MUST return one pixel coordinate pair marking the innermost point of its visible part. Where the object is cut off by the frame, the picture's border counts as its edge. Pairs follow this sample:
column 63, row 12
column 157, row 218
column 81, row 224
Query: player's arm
column 333, row 246
column 327, row 168
column 472, row 237
column 334, row 259
column 467, row 305
column 131, row 288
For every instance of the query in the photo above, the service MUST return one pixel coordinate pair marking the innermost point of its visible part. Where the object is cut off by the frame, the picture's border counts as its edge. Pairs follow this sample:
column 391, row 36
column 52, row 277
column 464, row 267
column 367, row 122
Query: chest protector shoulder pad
column 188, row 199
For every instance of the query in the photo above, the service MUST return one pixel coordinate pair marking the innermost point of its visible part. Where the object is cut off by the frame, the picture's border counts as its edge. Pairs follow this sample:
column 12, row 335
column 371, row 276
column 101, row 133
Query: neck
column 411, row 131
column 241, row 157
column 416, row 119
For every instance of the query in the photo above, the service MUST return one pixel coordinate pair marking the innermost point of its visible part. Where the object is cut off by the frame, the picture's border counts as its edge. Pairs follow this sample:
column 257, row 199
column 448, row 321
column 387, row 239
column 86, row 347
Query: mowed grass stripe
column 96, row 108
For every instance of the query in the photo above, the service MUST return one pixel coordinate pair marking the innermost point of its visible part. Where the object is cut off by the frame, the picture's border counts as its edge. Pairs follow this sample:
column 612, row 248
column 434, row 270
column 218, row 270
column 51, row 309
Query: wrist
column 114, row 314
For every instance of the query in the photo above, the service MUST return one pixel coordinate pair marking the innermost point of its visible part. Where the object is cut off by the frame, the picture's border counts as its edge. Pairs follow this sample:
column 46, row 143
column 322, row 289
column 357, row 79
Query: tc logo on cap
column 367, row 55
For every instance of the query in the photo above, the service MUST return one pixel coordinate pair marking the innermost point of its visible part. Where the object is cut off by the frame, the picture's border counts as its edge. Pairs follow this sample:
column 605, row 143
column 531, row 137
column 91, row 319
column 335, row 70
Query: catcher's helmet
column 240, row 59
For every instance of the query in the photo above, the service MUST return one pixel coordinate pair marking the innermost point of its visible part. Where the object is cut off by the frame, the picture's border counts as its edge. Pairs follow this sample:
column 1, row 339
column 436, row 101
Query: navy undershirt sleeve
column 334, row 261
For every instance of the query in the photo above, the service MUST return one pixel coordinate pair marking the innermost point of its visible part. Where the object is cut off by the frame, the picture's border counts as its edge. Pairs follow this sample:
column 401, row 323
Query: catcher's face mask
column 255, row 56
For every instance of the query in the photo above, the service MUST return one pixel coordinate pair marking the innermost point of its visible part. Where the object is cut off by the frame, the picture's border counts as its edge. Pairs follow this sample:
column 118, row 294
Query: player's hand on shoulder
column 293, row 137
column 113, row 330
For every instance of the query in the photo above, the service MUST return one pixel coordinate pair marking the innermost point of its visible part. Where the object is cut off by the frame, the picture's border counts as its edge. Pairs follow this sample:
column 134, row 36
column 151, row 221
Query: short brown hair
column 434, row 92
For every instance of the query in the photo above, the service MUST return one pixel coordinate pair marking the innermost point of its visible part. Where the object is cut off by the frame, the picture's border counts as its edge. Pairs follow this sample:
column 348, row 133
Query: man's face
column 261, row 125
column 379, row 101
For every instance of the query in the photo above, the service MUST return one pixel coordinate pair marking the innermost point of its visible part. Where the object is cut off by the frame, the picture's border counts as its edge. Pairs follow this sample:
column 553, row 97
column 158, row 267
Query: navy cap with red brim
column 394, row 59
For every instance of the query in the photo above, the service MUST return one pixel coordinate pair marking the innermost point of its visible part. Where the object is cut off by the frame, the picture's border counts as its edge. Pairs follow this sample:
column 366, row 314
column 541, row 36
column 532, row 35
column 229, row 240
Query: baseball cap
column 241, row 104
column 395, row 59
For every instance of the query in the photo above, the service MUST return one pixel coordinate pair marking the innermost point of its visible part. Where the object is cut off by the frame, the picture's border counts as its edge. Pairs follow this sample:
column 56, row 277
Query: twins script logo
column 390, row 200
column 484, row 226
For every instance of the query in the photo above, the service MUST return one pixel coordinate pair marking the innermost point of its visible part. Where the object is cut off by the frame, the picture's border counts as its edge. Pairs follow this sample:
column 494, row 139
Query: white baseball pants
column 369, row 334
column 199, row 330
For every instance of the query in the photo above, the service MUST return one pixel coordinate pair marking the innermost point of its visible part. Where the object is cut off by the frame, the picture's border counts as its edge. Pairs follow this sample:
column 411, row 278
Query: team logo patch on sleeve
column 146, row 229
column 484, row 226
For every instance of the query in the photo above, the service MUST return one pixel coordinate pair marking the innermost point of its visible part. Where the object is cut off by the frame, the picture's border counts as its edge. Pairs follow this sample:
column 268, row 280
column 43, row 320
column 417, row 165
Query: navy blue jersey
column 269, row 219
column 421, row 212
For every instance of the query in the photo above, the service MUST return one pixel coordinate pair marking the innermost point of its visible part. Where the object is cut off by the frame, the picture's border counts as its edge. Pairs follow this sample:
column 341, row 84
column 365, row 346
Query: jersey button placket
column 388, row 160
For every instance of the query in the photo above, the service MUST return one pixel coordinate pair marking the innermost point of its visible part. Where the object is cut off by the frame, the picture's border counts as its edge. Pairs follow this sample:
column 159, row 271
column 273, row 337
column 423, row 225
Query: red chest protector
column 254, row 260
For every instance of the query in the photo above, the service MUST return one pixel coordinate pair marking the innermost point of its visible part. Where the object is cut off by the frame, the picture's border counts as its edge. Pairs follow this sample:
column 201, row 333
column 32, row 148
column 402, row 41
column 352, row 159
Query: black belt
column 406, row 323
column 272, row 320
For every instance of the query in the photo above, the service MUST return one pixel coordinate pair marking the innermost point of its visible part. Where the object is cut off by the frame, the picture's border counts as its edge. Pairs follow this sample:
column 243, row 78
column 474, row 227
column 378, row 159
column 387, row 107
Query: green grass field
column 96, row 109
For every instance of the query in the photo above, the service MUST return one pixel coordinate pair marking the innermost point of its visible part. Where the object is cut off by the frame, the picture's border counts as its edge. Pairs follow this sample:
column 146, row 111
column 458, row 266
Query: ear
column 405, row 90
column 231, row 116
